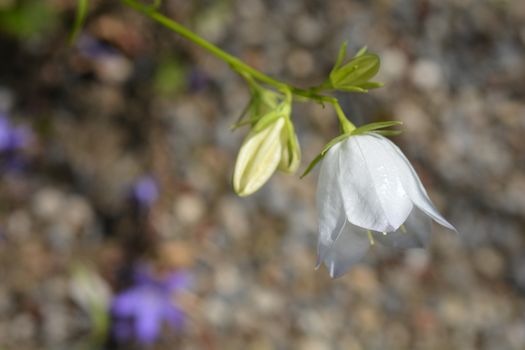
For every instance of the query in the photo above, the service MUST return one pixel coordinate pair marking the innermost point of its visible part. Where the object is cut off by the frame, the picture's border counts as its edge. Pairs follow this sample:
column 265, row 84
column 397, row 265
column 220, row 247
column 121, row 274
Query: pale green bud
column 258, row 158
column 355, row 74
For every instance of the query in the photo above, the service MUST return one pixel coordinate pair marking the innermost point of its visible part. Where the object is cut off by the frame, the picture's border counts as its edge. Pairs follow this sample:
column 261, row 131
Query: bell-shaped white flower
column 368, row 190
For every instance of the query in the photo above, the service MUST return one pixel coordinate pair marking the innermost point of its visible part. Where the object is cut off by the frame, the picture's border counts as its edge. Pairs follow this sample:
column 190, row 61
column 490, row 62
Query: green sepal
column 340, row 56
column 291, row 156
column 388, row 132
column 375, row 126
column 266, row 120
column 326, row 148
column 262, row 103
column 312, row 164
column 371, row 85
column 352, row 88
column 361, row 52
column 357, row 71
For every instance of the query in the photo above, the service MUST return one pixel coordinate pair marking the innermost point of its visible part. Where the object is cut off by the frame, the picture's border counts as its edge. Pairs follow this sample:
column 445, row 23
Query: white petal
column 348, row 248
column 414, row 233
column 329, row 201
column 414, row 187
column 371, row 186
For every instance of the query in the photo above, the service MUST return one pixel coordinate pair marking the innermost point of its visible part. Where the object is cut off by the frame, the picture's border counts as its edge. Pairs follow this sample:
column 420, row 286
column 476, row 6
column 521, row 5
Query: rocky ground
column 131, row 100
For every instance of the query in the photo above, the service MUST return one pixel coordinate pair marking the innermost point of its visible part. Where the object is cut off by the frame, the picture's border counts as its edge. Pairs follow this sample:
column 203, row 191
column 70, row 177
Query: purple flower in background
column 12, row 138
column 145, row 191
column 93, row 48
column 142, row 310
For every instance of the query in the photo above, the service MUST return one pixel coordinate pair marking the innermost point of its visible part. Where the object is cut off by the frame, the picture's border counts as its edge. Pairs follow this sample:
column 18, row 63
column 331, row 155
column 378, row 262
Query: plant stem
column 188, row 34
column 346, row 124
column 237, row 64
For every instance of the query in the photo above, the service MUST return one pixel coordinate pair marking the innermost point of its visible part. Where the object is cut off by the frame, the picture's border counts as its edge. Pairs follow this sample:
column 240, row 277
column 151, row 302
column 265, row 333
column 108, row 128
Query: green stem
column 188, row 34
column 82, row 10
column 346, row 124
column 238, row 65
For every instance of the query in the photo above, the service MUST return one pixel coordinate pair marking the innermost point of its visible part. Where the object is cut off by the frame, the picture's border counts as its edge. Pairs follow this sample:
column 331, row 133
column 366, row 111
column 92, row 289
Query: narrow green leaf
column 312, row 164
column 326, row 148
column 352, row 88
column 82, row 10
column 361, row 52
column 334, row 141
column 375, row 126
column 389, row 132
column 241, row 121
column 371, row 85
column 340, row 56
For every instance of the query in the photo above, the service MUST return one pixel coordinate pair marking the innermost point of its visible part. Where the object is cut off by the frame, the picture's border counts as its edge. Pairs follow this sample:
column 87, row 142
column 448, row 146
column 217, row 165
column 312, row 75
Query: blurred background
column 118, row 225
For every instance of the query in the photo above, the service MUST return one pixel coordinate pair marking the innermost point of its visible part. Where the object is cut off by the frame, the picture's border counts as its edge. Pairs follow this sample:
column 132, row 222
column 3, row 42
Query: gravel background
column 156, row 104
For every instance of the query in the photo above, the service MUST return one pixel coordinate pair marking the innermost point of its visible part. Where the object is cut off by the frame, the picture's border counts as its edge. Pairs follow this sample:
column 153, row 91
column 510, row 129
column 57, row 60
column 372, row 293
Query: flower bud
column 356, row 73
column 259, row 156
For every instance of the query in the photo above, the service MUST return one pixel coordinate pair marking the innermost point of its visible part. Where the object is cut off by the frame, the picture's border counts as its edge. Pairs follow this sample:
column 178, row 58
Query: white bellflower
column 369, row 190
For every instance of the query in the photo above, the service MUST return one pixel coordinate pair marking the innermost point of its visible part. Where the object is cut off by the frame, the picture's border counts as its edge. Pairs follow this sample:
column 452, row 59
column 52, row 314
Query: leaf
column 326, row 148
column 371, row 85
column 312, row 164
column 340, row 56
column 334, row 141
column 389, row 132
column 375, row 126
column 352, row 88
column 82, row 10
column 361, row 52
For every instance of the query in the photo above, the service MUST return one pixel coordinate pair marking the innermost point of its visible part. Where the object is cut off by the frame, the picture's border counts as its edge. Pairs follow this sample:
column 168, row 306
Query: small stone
column 363, row 280
column 311, row 343
column 300, row 63
column 453, row 311
column 189, row 209
column 489, row 262
column 217, row 312
column 232, row 214
column 514, row 198
column 176, row 255
column 77, row 212
column 114, row 69
column 22, row 327
column 251, row 9
column 393, row 65
column 19, row 225
column 228, row 280
column 307, row 30
column 267, row 301
column 48, row 203
column 426, row 74
column 349, row 342
column 417, row 260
